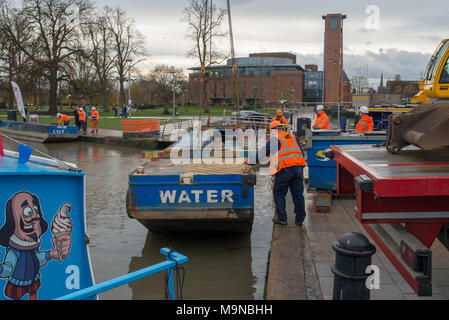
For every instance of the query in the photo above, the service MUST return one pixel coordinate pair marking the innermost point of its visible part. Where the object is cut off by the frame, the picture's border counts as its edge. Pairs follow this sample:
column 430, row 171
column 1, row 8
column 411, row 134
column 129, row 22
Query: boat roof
column 9, row 164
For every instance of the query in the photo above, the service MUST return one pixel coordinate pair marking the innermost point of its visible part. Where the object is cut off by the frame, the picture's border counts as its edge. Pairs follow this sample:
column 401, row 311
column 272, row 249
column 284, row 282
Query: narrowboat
column 43, row 242
column 38, row 132
column 180, row 198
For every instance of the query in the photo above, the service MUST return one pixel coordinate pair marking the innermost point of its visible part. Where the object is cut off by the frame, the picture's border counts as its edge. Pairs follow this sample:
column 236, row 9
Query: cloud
column 390, row 62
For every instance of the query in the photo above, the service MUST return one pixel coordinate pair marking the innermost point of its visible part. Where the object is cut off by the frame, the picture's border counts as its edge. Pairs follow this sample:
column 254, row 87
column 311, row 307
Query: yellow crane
column 435, row 83
column 426, row 126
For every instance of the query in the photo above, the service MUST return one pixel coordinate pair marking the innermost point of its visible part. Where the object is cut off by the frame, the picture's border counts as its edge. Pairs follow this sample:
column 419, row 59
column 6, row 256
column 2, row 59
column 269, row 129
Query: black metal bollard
column 353, row 256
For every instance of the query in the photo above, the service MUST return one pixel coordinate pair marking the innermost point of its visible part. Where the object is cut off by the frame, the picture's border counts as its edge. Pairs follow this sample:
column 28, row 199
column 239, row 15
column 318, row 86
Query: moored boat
column 42, row 228
column 38, row 132
column 179, row 198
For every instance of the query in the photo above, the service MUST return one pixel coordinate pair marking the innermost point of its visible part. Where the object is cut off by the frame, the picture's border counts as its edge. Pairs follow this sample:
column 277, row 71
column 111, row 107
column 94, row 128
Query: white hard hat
column 364, row 109
column 58, row 115
column 93, row 108
column 320, row 107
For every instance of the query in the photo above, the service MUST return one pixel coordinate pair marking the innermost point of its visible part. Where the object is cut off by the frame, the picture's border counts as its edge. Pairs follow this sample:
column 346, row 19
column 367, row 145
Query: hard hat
column 275, row 124
column 320, row 107
column 93, row 108
column 58, row 115
column 279, row 112
column 364, row 109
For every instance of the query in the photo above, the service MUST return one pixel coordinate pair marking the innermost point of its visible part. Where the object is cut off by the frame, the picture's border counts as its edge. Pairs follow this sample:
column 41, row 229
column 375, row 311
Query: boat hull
column 189, row 221
column 192, row 199
column 36, row 132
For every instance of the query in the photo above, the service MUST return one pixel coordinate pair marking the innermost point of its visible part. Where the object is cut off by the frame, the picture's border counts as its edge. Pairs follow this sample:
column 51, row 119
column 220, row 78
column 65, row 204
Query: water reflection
column 224, row 267
column 218, row 267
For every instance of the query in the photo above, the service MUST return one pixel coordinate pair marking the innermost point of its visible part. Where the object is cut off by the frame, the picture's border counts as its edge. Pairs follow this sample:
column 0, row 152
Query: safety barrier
column 140, row 128
column 174, row 260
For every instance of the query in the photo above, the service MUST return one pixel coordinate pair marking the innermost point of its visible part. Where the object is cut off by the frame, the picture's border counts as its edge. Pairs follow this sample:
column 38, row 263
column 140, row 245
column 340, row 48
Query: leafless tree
column 14, row 64
column 56, row 37
column 127, row 44
column 167, row 79
column 100, row 52
column 203, row 21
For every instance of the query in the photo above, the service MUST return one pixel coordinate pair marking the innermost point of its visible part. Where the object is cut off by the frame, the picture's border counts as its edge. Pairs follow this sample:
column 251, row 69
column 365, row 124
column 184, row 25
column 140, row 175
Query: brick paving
column 323, row 229
column 301, row 258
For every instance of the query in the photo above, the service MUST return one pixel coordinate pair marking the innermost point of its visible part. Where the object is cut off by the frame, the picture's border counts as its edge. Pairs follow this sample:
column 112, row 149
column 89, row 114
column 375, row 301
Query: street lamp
column 129, row 60
column 173, row 71
column 118, row 92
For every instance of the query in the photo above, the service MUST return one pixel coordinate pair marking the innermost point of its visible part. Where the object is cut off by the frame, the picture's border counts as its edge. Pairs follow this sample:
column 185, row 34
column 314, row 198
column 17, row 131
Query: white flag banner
column 19, row 99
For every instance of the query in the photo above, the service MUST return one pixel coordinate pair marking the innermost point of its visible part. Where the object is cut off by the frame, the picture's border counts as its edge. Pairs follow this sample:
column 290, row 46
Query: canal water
column 219, row 267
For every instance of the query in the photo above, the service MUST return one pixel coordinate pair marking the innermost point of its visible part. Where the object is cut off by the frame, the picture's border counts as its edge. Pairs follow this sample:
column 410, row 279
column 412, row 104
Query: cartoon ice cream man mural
column 21, row 236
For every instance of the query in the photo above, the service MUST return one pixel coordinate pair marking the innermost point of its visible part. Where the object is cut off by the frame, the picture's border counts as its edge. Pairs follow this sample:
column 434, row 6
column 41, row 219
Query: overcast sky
column 400, row 41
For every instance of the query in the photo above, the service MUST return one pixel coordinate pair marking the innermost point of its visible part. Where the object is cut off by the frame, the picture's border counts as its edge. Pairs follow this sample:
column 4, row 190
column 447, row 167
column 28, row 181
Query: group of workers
column 365, row 123
column 288, row 162
column 81, row 117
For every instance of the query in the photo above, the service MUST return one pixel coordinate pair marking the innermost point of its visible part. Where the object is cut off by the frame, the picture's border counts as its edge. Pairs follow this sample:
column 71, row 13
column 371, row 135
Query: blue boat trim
column 173, row 259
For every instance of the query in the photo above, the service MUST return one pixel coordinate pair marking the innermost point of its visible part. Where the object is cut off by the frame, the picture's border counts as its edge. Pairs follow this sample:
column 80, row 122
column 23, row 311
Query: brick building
column 263, row 80
column 402, row 88
column 334, row 87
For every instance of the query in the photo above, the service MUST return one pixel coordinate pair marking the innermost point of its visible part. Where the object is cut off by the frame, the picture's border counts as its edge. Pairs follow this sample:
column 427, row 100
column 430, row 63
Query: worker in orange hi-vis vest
column 279, row 117
column 94, row 117
column 286, row 164
column 82, row 118
column 63, row 118
column 365, row 123
column 322, row 120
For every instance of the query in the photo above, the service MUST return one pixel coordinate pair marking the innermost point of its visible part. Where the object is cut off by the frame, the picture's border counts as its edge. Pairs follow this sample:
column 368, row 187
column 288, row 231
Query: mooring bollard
column 353, row 256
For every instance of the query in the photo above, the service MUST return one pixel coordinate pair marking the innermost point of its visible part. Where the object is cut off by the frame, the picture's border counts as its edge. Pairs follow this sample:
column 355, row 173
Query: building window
column 292, row 86
column 223, row 87
column 445, row 73
column 333, row 23
column 328, row 86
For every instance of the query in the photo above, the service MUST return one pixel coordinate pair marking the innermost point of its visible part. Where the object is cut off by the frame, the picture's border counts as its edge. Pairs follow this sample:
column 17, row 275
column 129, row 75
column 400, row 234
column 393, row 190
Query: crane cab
column 435, row 82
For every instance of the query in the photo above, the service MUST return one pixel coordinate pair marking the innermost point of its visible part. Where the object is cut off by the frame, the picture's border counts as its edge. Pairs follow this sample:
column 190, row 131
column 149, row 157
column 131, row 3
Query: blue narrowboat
column 43, row 247
column 38, row 132
column 167, row 197
column 322, row 170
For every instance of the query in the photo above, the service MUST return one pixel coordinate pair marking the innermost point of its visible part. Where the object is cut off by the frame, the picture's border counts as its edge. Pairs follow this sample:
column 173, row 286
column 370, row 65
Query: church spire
column 381, row 85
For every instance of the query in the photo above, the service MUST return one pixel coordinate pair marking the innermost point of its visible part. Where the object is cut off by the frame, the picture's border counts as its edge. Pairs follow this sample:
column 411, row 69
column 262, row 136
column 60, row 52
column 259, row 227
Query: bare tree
column 167, row 79
column 14, row 64
column 100, row 52
column 204, row 23
column 127, row 44
column 56, row 37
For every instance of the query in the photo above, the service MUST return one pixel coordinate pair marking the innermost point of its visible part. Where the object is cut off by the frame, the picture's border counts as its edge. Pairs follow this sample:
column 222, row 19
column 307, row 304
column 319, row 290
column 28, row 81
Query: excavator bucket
column 426, row 126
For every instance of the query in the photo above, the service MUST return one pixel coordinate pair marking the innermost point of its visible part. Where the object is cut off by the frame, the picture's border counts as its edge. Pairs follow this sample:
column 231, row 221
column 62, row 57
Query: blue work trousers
column 291, row 177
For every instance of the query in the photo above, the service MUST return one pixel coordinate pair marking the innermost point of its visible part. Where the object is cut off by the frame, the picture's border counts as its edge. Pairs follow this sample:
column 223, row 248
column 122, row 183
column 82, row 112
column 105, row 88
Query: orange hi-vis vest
column 321, row 122
column 281, row 119
column 95, row 115
column 63, row 118
column 289, row 154
column 81, row 115
column 365, row 124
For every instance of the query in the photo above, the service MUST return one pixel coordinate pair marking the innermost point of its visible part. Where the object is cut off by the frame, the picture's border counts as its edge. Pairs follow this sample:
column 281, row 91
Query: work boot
column 277, row 221
column 299, row 224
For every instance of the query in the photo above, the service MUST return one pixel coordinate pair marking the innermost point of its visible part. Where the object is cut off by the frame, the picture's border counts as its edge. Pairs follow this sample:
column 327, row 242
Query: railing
column 173, row 260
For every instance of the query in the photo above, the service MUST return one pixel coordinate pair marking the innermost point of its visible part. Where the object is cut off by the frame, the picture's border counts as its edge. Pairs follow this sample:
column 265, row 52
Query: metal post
column 353, row 256
column 171, row 284
column 129, row 82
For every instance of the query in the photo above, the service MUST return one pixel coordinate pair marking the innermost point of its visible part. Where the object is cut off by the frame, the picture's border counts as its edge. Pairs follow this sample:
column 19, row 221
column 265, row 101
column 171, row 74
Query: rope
column 59, row 162
column 177, row 278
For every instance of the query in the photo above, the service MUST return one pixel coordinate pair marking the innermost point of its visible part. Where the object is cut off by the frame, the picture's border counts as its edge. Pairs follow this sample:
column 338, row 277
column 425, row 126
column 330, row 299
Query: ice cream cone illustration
column 61, row 225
